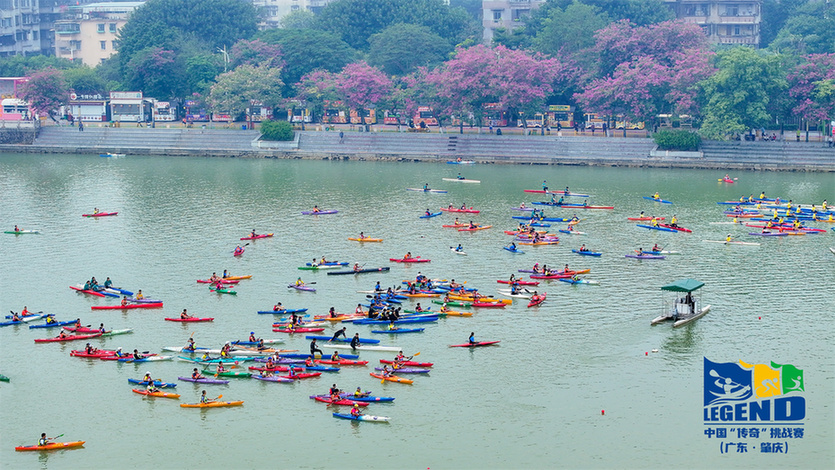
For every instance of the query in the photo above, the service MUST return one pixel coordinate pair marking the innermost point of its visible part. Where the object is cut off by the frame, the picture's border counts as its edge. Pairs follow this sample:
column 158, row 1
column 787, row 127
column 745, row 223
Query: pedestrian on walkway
column 80, row 125
column 341, row 137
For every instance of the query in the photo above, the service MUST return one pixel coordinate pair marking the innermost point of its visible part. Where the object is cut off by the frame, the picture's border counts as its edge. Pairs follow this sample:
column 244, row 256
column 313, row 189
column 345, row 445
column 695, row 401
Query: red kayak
column 193, row 319
column 551, row 276
column 276, row 369
column 301, row 376
column 521, row 283
column 67, row 338
column 409, row 260
column 468, row 211
column 580, row 206
column 222, row 281
column 128, row 306
column 95, row 354
column 342, row 362
column 298, row 330
column 342, row 401
column 680, row 229
column 256, row 237
column 488, row 304
column 82, row 329
column 539, row 299
column 238, row 252
column 100, row 214
column 644, row 218
column 474, row 345
column 88, row 292
column 408, row 363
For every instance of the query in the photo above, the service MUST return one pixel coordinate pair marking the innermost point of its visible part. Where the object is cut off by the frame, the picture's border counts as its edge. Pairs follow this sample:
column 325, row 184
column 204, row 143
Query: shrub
column 277, row 130
column 677, row 140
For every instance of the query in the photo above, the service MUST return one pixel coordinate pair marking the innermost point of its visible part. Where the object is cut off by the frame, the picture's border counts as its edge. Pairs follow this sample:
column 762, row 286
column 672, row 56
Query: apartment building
column 505, row 14
column 271, row 12
column 25, row 26
column 723, row 21
column 87, row 33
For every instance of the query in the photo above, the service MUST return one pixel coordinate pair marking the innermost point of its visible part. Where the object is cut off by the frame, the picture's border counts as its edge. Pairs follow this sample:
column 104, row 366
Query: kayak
column 22, row 232
column 237, row 278
column 272, row 379
column 342, row 362
column 298, row 330
column 587, row 253
column 726, row 180
column 489, row 304
column 204, row 380
column 224, row 360
column 144, row 359
column 455, row 225
column 127, row 307
column 329, row 263
column 302, row 287
column 453, row 313
column 464, row 211
column 680, row 229
column 366, row 348
column 25, row 319
column 580, row 281
column 380, row 419
column 521, row 208
column 193, row 319
column 474, row 345
column 463, row 253
column 156, row 394
column 657, row 200
column 318, row 213
column 366, row 239
column 645, row 256
column 408, row 363
column 82, row 329
column 756, row 234
column 157, row 383
column 67, row 338
column 360, row 271
column 406, row 370
column 392, row 378
column 213, row 404
column 116, row 290
column 519, row 282
column 517, row 295
column 461, row 180
column 227, row 373
column 51, row 446
column 551, row 276
column 123, row 331
column 436, row 191
column 572, row 232
column 95, row 354
column 732, row 242
column 341, row 401
column 100, row 214
column 662, row 252
column 301, row 376
column 647, row 219
column 429, row 216
column 254, row 343
column 417, row 259
column 223, row 291
column 399, row 330
column 238, row 252
column 454, row 303
column 144, row 300
column 321, row 369
column 582, row 206
column 514, row 250
column 539, row 299
column 343, row 340
column 88, row 292
column 286, row 311
column 480, row 227
column 401, row 321
column 256, row 237
column 462, row 162
column 652, row 227
column 321, row 266
column 3, row 378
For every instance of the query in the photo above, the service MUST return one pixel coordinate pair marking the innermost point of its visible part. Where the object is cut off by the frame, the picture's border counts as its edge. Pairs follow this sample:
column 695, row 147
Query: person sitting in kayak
column 252, row 338
column 147, row 378
column 656, row 196
column 204, row 399
column 355, row 341
column 654, row 222
column 87, row 286
column 219, row 285
column 108, row 283
column 459, row 248
column 94, row 284
column 16, row 229
column 514, row 289
column 427, row 213
column 224, row 351
column 139, row 295
column 456, row 221
column 62, row 335
column 728, row 238
column 239, row 249
column 355, row 411
column 136, row 355
column 360, row 394
column 472, row 225
column 220, row 367
column 43, row 440
column 184, row 315
column 471, row 339
column 362, row 236
column 16, row 316
column 95, row 210
column 335, row 357
column 426, row 186
column 278, row 307
column 299, row 282
column 89, row 349
column 386, row 372
column 583, row 248
column 512, row 246
column 308, row 362
column 119, row 353
column 460, row 177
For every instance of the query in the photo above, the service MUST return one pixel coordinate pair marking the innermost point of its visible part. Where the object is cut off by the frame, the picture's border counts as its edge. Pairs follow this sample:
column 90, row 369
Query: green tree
column 20, row 66
column 745, row 92
column 810, row 30
column 234, row 91
column 156, row 73
column 570, row 30
column 775, row 13
column 299, row 19
column 306, row 50
column 393, row 49
column 640, row 12
column 85, row 81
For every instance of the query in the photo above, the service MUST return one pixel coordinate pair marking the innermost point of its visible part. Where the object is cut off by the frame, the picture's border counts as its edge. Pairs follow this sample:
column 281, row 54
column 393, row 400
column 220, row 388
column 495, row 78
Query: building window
column 497, row 16
column 112, row 27
column 100, row 28
column 737, row 31
column 294, row 7
column 35, row 35
column 103, row 45
column 114, row 44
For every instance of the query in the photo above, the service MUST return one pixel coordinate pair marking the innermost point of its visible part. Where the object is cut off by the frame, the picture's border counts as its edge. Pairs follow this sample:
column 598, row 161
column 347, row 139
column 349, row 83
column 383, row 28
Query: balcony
column 67, row 28
column 749, row 40
column 739, row 19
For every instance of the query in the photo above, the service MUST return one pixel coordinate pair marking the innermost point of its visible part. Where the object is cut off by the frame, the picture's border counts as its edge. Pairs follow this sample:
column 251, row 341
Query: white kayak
column 363, row 347
column 732, row 242
column 518, row 295
column 461, row 180
column 464, row 253
column 118, row 332
column 832, row 249
column 234, row 352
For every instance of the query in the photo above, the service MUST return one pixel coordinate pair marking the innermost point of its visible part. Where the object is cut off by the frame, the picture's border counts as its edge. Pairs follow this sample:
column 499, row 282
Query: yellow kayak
column 418, row 294
column 213, row 404
column 366, row 239
column 453, row 313
column 237, row 278
column 480, row 299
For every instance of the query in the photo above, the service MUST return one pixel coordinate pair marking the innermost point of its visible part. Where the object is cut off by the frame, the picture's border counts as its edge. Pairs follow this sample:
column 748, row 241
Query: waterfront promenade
column 554, row 149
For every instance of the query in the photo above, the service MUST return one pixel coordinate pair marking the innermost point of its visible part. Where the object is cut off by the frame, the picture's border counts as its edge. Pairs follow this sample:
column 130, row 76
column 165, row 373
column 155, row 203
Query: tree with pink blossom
column 45, row 91
column 363, row 86
column 812, row 87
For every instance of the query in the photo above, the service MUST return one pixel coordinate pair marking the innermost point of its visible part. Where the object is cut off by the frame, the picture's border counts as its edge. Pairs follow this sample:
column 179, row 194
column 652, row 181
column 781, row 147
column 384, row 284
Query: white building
column 87, row 33
column 505, row 14
column 272, row 11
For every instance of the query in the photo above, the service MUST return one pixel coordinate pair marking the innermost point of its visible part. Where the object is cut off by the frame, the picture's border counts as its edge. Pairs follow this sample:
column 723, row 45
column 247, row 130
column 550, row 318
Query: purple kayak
column 281, row 361
column 406, row 370
column 144, row 300
column 319, row 213
column 646, row 256
column 274, row 378
column 764, row 234
column 204, row 380
column 531, row 271
column 304, row 288
column 521, row 209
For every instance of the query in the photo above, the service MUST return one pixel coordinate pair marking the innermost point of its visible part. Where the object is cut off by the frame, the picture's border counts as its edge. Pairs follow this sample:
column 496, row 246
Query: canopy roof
column 684, row 285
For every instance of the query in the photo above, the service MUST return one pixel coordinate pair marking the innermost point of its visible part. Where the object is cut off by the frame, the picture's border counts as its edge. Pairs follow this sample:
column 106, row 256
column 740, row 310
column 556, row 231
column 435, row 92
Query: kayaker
column 332, row 313
column 87, row 286
column 119, row 353
column 204, row 399
column 335, row 357
column 239, row 249
column 641, row 215
column 137, row 356
column 574, row 219
column 252, row 234
column 471, row 339
column 147, row 378
column 314, row 349
column 95, row 210
column 252, row 338
column 359, row 393
column 426, row 186
column 323, row 261
column 16, row 316
column 139, row 295
column 108, row 283
column 386, row 372
column 220, row 367
column 460, row 177
column 456, row 223
column 278, row 307
column 545, row 185
column 408, row 255
column 459, row 248
column 728, row 238
column 124, row 300
column 89, row 349
column 299, row 282
column 355, row 341
column 472, row 225
column 151, row 388
column 224, row 351
column 583, row 248
column 184, row 315
column 565, row 270
column 639, row 251
column 43, row 440
column 358, row 310
column 50, row 320
column 656, row 196
column 16, row 229
column 355, row 411
column 196, row 375
column 654, row 222
column 356, row 267
column 308, row 362
column 315, row 209
column 444, row 308
column 512, row 246
column 270, row 364
column 214, row 278
column 656, row 247
column 291, row 372
column 427, row 213
column 464, row 206
column 338, row 334
column 62, row 335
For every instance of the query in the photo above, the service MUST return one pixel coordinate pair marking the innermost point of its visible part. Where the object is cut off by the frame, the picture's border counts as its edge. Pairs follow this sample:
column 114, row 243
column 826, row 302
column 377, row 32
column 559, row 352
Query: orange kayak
column 51, row 446
column 392, row 378
column 366, row 239
column 453, row 313
column 156, row 394
column 213, row 404
column 237, row 278
column 481, row 299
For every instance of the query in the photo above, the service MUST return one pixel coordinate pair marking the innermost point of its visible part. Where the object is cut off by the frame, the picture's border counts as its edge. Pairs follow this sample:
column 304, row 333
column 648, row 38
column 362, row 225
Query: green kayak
column 453, row 303
column 3, row 378
column 22, row 232
column 229, row 373
column 223, row 291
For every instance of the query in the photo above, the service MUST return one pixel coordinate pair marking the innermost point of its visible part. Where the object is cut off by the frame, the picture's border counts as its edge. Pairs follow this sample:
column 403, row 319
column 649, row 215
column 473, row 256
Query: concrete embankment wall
column 393, row 146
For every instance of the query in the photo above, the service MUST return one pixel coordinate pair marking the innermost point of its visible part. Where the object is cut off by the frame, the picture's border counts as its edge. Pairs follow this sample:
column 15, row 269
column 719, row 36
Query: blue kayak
column 587, row 253
column 663, row 229
column 305, row 356
column 321, row 369
column 121, row 291
column 514, row 250
column 53, row 325
column 544, row 219
column 368, row 399
column 157, row 383
column 399, row 330
column 283, row 312
column 381, row 419
column 657, row 200
column 429, row 216
column 330, row 263
column 343, row 340
column 431, row 319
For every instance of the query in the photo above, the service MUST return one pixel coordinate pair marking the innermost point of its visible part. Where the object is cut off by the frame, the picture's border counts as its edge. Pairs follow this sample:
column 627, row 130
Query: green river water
column 534, row 401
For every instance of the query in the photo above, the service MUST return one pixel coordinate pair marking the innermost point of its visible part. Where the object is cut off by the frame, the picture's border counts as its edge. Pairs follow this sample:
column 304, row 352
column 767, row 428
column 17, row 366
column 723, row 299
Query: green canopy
column 684, row 285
